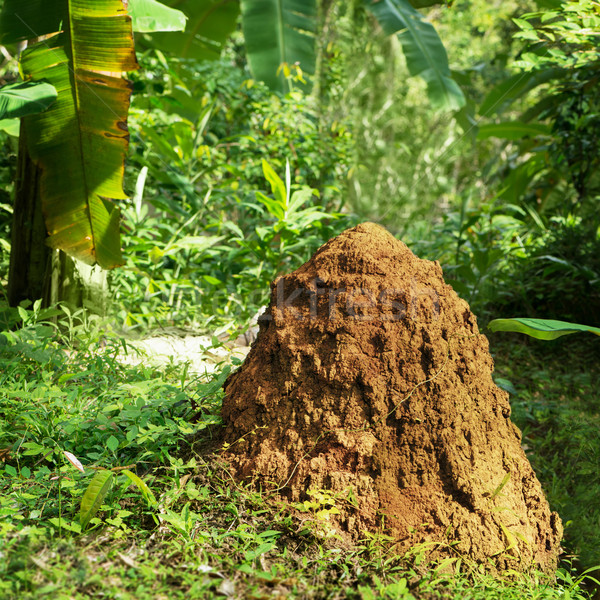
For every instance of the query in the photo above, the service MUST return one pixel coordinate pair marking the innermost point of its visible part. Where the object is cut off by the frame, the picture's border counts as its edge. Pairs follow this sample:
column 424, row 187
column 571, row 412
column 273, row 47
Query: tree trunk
column 29, row 254
column 36, row 270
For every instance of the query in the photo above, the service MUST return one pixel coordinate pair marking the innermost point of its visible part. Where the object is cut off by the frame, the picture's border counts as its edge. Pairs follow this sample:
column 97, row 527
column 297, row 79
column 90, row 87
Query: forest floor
column 179, row 528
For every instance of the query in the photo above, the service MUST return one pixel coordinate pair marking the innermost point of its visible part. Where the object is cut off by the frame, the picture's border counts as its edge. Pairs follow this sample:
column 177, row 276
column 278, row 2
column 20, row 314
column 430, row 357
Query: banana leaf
column 21, row 99
column 277, row 32
column 150, row 15
column 80, row 142
column 209, row 25
column 425, row 54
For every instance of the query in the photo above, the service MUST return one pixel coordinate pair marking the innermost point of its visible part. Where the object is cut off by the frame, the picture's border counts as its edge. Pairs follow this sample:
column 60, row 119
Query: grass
column 556, row 403
column 186, row 531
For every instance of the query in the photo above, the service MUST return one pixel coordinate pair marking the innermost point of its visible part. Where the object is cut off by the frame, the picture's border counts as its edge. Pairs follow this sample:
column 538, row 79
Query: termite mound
column 369, row 378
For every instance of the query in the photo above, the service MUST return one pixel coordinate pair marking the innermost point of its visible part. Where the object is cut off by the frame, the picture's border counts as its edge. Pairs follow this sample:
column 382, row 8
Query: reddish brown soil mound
column 370, row 378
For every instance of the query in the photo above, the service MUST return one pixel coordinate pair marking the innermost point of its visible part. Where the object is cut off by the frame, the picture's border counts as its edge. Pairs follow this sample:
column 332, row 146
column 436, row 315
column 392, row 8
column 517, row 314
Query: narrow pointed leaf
column 74, row 461
column 94, row 496
column 150, row 16
column 276, row 32
column 141, row 485
column 424, row 51
column 209, row 25
column 501, row 96
column 21, row 99
column 512, row 130
column 81, row 141
column 542, row 329
column 277, row 185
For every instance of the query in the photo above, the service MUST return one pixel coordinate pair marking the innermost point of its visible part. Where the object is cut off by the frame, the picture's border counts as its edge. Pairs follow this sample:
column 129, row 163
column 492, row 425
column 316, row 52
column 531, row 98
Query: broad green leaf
column 10, row 126
column 506, row 92
column 112, row 443
column 277, row 32
column 61, row 523
column 150, row 16
column 141, row 485
column 94, row 495
column 542, row 329
column 81, row 141
column 512, row 130
column 424, row 51
column 209, row 25
column 21, row 99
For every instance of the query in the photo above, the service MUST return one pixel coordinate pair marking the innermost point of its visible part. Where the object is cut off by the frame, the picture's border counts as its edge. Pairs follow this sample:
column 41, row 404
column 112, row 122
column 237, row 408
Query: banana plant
column 284, row 32
column 210, row 23
column 77, row 51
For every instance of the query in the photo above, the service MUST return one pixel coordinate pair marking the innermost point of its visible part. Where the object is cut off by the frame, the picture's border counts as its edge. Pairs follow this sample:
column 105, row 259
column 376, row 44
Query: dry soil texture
column 369, row 378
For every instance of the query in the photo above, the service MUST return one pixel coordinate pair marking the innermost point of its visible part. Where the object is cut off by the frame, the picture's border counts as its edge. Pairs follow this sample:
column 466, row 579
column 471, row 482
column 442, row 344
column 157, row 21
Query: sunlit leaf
column 74, row 461
column 10, row 126
column 542, row 329
column 150, row 16
column 80, row 142
column 209, row 25
column 94, row 495
column 141, row 485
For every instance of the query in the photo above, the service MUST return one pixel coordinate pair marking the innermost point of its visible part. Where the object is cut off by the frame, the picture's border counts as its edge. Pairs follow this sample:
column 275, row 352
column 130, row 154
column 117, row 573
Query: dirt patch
column 369, row 378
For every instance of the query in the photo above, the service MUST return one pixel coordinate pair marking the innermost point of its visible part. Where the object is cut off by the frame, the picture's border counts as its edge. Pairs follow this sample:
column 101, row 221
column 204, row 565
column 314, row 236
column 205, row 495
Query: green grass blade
column 94, row 495
column 542, row 329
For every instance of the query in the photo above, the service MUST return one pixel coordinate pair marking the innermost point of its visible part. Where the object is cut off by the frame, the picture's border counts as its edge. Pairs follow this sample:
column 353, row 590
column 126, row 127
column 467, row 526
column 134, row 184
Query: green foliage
column 209, row 25
column 203, row 236
column 555, row 276
column 83, row 405
column 194, row 533
column 278, row 32
column 21, row 99
column 425, row 54
column 554, row 169
column 94, row 495
column 150, row 16
column 83, row 44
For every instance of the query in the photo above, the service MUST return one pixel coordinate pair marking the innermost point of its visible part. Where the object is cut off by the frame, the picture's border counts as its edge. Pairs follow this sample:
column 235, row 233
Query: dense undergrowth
column 188, row 531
